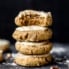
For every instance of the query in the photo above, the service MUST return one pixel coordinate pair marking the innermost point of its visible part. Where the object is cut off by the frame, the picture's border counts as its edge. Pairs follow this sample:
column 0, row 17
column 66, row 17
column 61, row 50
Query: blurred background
column 59, row 8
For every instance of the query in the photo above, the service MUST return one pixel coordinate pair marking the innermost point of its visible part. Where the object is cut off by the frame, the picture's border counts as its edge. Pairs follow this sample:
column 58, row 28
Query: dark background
column 59, row 8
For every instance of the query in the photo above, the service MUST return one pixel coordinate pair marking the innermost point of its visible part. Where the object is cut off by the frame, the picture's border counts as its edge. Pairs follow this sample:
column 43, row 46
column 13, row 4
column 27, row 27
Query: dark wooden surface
column 58, row 50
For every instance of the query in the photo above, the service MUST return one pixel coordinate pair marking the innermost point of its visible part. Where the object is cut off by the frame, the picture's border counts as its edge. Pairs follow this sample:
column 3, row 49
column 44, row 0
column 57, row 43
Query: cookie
column 31, row 48
column 32, row 17
column 1, row 56
column 33, row 60
column 32, row 33
column 4, row 44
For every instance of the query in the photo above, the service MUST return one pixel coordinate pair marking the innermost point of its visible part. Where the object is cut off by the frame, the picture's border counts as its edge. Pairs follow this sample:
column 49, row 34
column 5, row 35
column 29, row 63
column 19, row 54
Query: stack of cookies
column 32, row 37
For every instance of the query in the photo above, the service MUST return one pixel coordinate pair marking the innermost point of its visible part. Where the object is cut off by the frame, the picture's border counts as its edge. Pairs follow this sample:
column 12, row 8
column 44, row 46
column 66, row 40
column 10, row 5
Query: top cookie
column 32, row 17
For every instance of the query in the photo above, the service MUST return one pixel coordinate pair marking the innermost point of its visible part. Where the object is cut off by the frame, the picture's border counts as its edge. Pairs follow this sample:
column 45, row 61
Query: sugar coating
column 31, row 43
column 30, row 28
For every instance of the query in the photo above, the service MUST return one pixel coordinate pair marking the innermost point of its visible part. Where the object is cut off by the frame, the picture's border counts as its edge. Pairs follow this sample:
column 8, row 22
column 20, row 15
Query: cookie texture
column 32, row 33
column 32, row 17
column 33, row 48
column 4, row 44
column 32, row 60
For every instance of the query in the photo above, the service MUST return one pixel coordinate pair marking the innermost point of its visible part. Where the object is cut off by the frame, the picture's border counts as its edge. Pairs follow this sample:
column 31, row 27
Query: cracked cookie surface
column 33, row 48
column 33, row 60
column 32, row 17
column 32, row 33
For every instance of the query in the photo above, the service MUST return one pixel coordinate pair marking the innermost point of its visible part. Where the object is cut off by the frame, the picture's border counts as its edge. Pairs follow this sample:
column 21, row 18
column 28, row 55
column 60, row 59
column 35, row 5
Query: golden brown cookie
column 1, row 56
column 4, row 44
column 32, row 17
column 33, row 47
column 32, row 60
column 32, row 33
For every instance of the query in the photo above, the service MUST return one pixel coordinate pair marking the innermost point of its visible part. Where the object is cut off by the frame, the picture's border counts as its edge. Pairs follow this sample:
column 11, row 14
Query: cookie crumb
column 54, row 67
column 9, row 55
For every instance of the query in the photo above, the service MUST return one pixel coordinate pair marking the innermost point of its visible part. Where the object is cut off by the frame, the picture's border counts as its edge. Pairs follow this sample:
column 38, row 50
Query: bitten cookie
column 32, row 17
column 31, row 48
column 32, row 33
column 32, row 60
column 4, row 44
